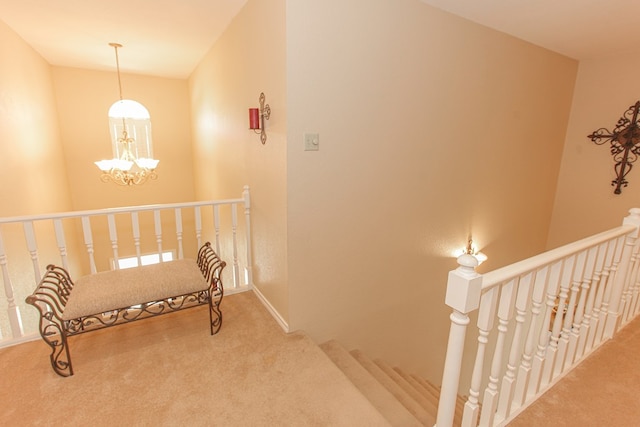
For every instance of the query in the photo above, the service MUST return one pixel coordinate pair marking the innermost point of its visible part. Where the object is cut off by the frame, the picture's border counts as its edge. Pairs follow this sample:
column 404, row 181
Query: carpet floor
column 604, row 390
column 169, row 371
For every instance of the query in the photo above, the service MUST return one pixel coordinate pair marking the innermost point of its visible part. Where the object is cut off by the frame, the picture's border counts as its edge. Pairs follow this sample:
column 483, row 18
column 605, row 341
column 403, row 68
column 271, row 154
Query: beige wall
column 431, row 128
column 83, row 101
column 585, row 203
column 248, row 59
column 32, row 166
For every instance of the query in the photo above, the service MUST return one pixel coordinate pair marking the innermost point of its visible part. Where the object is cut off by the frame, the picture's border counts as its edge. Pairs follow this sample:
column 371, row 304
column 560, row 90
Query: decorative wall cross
column 625, row 144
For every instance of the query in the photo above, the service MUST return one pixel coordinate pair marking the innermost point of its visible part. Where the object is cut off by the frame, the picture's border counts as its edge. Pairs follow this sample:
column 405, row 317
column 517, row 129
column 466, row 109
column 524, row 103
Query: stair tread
column 378, row 395
column 402, row 398
column 417, row 386
column 435, row 391
column 411, row 404
column 428, row 405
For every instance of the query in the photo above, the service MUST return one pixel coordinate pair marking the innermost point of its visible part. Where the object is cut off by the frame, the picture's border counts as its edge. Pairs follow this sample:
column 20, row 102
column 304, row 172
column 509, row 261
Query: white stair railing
column 536, row 320
column 91, row 241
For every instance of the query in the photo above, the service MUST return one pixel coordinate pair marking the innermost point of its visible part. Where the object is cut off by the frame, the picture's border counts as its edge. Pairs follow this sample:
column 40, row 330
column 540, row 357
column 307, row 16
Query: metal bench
column 110, row 298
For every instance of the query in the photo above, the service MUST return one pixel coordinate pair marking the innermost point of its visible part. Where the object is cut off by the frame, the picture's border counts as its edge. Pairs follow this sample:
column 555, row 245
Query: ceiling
column 160, row 37
column 168, row 37
column 579, row 29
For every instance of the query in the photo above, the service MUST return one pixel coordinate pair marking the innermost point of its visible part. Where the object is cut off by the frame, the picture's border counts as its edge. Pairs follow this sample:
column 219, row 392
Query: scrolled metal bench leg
column 55, row 337
column 215, row 314
column 53, row 333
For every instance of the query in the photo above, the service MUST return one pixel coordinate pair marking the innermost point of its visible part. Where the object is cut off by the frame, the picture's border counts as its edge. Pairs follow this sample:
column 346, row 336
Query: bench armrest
column 50, row 298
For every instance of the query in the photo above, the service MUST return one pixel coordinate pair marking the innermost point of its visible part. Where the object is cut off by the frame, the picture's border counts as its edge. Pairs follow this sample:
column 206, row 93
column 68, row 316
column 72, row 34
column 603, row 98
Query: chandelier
column 130, row 128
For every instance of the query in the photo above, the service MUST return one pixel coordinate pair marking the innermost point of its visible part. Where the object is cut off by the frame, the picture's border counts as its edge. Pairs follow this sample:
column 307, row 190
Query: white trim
column 10, row 342
column 276, row 315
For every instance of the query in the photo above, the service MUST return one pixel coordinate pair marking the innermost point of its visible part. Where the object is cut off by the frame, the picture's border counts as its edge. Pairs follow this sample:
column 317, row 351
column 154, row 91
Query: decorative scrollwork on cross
column 625, row 144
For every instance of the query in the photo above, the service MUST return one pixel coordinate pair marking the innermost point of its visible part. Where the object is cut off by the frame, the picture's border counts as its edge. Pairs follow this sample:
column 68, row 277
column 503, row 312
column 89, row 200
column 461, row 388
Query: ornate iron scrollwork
column 625, row 144
column 53, row 291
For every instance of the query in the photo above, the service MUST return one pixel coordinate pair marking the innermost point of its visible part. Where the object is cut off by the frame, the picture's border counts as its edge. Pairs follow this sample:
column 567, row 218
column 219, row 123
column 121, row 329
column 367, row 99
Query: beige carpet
column 604, row 390
column 169, row 371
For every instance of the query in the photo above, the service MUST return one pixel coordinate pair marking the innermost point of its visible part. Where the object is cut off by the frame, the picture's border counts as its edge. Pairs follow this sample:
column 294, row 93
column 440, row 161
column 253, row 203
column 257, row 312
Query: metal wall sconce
column 625, row 144
column 257, row 116
column 472, row 250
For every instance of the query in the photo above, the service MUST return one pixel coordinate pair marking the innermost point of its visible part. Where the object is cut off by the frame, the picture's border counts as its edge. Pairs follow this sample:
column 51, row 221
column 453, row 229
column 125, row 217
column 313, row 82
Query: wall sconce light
column 472, row 250
column 625, row 144
column 257, row 116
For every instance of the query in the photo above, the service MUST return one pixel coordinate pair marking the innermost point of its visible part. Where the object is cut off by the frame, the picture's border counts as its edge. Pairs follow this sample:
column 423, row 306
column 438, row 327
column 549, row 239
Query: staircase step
column 431, row 389
column 407, row 401
column 435, row 391
column 418, row 386
column 457, row 417
column 428, row 405
column 374, row 391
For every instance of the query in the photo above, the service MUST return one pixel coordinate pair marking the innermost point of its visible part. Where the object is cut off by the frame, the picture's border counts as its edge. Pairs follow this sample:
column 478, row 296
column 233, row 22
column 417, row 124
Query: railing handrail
column 535, row 320
column 81, row 238
column 124, row 209
column 500, row 275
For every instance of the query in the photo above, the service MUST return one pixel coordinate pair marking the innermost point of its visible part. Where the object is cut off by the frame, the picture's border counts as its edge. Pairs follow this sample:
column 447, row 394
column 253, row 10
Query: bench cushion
column 111, row 290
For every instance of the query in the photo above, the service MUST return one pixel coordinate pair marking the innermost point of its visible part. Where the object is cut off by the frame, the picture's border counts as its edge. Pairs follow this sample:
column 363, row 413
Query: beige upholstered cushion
column 110, row 290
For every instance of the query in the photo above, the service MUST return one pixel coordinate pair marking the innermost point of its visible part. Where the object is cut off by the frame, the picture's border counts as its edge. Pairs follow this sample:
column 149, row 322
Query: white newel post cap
column 464, row 285
column 633, row 219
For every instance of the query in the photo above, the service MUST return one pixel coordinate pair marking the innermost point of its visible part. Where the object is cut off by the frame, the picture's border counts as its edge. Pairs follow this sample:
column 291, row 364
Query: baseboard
column 283, row 324
column 23, row 339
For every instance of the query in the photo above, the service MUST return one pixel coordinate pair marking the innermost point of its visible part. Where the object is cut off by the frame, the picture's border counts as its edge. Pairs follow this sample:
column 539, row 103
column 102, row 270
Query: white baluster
column 559, row 337
column 234, row 232
column 486, row 316
column 13, row 311
column 88, row 241
column 589, row 288
column 569, row 334
column 247, row 217
column 135, row 223
column 178, row 215
column 547, row 346
column 505, row 313
column 216, row 227
column 113, row 237
column 463, row 295
column 602, row 298
column 198, row 218
column 507, row 388
column 537, row 366
column 635, row 301
column 613, row 293
column 525, row 370
column 158, row 229
column 61, row 243
column 631, row 286
column 32, row 247
column 621, row 282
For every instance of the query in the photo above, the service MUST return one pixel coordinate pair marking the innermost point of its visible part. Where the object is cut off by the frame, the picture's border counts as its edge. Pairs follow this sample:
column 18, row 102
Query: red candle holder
column 254, row 118
column 257, row 116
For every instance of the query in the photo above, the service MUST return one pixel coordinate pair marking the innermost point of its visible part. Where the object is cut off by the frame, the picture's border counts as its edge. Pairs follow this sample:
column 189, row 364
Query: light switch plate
column 311, row 142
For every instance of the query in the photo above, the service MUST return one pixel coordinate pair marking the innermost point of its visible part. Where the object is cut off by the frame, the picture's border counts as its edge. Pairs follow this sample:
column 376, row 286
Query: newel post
column 247, row 216
column 622, row 273
column 463, row 295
